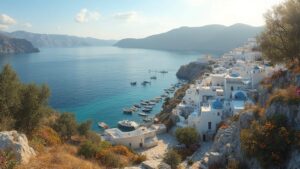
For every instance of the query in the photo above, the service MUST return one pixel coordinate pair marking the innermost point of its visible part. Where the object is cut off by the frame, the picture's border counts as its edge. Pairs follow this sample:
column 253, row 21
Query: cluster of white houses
column 215, row 96
column 223, row 92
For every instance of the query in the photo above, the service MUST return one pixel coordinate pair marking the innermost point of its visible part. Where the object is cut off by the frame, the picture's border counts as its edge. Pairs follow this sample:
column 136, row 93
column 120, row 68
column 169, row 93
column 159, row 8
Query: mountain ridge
column 208, row 38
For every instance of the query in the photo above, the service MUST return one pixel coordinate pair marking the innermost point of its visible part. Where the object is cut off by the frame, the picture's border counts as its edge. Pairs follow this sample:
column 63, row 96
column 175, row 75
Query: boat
column 143, row 103
column 127, row 111
column 134, row 109
column 143, row 114
column 164, row 95
column 137, row 106
column 133, row 83
column 127, row 125
column 163, row 71
column 153, row 77
column 144, row 83
column 147, row 119
column 151, row 103
column 147, row 110
column 103, row 125
column 148, row 107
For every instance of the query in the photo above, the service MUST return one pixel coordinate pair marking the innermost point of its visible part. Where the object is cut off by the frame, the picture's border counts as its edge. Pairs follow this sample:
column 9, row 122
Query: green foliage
column 88, row 150
column 66, row 125
column 187, row 136
column 83, row 128
column 280, row 41
column 172, row 158
column 268, row 141
column 94, row 137
column 7, row 160
column 112, row 160
column 21, row 106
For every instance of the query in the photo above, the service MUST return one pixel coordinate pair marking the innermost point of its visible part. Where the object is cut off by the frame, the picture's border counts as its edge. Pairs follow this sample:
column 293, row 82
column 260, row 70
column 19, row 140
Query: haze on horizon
column 117, row 19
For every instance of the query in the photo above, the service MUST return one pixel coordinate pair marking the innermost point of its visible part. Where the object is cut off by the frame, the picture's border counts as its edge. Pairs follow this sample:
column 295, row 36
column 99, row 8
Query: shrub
column 288, row 95
column 268, row 141
column 7, row 159
column 83, row 128
column 172, row 158
column 187, row 136
column 110, row 159
column 48, row 135
column 139, row 158
column 88, row 150
column 66, row 125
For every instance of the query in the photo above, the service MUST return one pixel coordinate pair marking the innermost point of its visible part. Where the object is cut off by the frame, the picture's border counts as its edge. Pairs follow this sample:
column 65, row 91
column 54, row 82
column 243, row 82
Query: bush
column 268, row 141
column 88, row 150
column 48, row 135
column 187, row 136
column 94, row 137
column 66, row 125
column 172, row 158
column 7, row 160
column 139, row 159
column 288, row 95
column 110, row 159
column 83, row 128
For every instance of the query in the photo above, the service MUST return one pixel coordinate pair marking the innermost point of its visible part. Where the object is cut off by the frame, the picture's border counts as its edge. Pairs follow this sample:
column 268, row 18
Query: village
column 223, row 92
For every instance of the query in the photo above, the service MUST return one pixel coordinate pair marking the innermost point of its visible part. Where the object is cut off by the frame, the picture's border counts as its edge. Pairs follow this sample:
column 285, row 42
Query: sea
column 94, row 82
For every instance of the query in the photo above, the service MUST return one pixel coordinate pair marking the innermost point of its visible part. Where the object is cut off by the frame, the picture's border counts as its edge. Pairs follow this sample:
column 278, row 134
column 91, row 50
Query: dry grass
column 288, row 95
column 60, row 157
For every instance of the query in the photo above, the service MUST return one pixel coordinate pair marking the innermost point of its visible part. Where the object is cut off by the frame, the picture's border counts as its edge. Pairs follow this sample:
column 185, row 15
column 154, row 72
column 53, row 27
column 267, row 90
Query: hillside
column 10, row 45
column 210, row 38
column 53, row 40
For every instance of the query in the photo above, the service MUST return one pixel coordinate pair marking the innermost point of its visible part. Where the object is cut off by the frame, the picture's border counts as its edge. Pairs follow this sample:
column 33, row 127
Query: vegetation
column 172, row 158
column 66, row 125
column 187, row 136
column 288, row 95
column 7, row 160
column 269, row 141
column 83, row 128
column 280, row 41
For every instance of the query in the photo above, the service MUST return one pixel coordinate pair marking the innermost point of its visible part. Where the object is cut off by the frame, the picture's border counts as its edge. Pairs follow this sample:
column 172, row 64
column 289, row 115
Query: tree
column 280, row 41
column 187, row 136
column 172, row 158
column 33, row 101
column 84, row 128
column 88, row 150
column 9, row 97
column 66, row 125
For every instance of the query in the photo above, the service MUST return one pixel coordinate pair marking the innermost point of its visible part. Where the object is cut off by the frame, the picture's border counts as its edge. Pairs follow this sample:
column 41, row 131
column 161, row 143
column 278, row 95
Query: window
column 218, row 113
column 231, row 88
column 209, row 125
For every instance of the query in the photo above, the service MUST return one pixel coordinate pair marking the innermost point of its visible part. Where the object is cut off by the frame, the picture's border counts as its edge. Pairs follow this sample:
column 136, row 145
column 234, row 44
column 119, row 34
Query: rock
column 18, row 143
column 245, row 119
column 192, row 71
column 10, row 45
column 294, row 162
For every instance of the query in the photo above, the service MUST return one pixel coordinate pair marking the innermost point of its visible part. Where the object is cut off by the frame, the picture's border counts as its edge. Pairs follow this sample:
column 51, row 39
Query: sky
column 117, row 19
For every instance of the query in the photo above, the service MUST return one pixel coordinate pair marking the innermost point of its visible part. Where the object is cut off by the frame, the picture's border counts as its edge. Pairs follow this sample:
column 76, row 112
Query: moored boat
column 143, row 114
column 127, row 125
column 133, row 83
column 127, row 111
column 102, row 125
column 153, row 77
column 147, row 110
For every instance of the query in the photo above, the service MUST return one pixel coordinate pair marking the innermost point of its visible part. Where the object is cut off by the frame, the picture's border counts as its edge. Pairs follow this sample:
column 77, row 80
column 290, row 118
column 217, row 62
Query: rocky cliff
column 10, row 45
column 192, row 71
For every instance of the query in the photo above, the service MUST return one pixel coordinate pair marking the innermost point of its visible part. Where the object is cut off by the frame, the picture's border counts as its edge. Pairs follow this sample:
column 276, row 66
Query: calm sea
column 94, row 82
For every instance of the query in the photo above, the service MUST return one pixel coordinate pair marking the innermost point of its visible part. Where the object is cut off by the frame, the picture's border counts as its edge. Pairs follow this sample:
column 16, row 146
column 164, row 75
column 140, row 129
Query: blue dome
column 235, row 75
column 240, row 96
column 217, row 104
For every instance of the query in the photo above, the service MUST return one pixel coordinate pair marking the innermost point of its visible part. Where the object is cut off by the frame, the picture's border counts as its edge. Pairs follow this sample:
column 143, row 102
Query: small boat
column 144, row 83
column 137, row 106
column 147, row 110
column 153, row 77
column 163, row 71
column 143, row 103
column 127, row 111
column 134, row 109
column 148, row 107
column 103, row 125
column 164, row 95
column 143, row 114
column 133, row 83
column 147, row 119
column 151, row 103
column 126, row 125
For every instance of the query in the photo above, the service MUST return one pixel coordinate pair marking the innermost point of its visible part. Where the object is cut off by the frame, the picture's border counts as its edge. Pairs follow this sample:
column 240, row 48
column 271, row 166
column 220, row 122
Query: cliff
column 192, row 71
column 10, row 45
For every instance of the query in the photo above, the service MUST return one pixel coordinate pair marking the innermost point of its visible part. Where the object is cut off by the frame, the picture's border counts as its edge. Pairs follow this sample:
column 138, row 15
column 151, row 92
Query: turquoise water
column 94, row 82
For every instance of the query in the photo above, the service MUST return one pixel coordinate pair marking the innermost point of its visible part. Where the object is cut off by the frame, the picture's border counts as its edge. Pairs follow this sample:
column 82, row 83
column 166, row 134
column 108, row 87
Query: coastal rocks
column 18, row 143
column 245, row 119
column 192, row 70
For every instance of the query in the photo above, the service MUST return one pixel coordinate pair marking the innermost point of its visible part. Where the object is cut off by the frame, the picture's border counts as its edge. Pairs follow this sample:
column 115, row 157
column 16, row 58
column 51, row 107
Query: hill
column 54, row 40
column 10, row 45
column 210, row 38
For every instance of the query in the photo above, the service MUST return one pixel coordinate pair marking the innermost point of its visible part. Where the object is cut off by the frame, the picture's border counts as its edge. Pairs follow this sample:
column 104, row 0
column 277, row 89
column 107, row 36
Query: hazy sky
column 115, row 19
